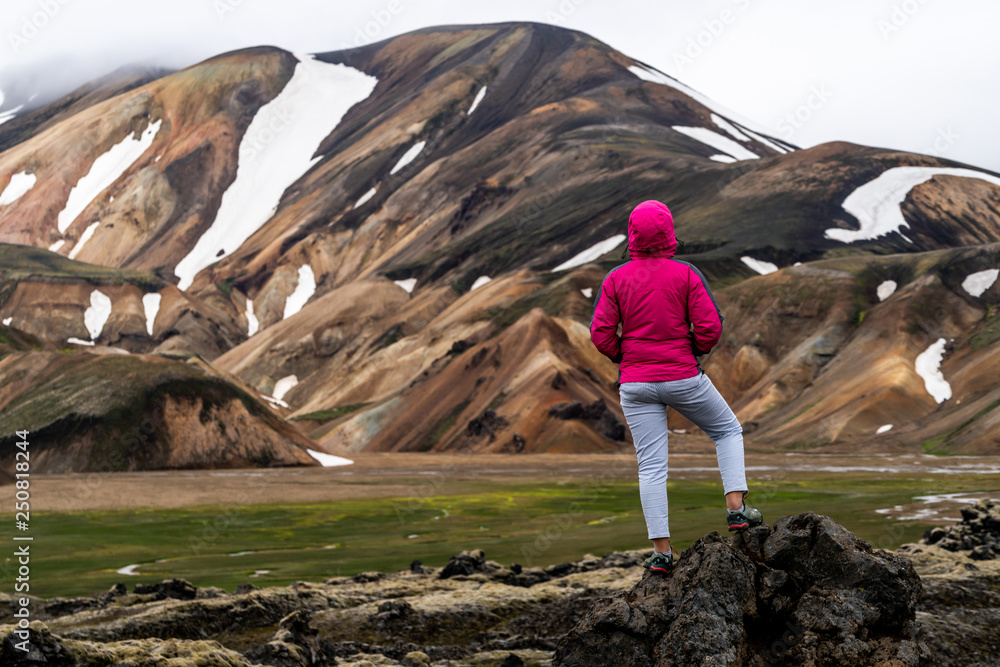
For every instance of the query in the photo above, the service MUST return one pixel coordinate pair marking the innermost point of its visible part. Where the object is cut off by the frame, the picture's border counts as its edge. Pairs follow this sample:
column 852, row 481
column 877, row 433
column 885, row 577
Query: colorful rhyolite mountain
column 396, row 247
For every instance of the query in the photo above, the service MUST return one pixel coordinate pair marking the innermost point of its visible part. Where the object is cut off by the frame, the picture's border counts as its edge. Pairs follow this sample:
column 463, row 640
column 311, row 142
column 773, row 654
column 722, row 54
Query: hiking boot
column 660, row 563
column 744, row 518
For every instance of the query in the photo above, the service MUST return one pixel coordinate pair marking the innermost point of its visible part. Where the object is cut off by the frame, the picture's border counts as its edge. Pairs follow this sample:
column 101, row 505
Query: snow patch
column 129, row 570
column 283, row 386
column 883, row 429
column 591, row 253
column 409, row 156
column 87, row 233
column 977, row 283
column 876, row 204
column 78, row 341
column 95, row 317
column 364, row 198
column 303, row 291
column 252, row 323
column 329, row 460
column 407, row 284
column 723, row 158
column 587, row 292
column 151, row 305
column 656, row 76
column 758, row 265
column 717, row 141
column 7, row 321
column 480, row 281
column 105, row 170
column 886, row 289
column 19, row 184
column 729, row 127
column 58, row 244
column 305, row 112
column 928, row 366
column 274, row 401
column 475, row 103
column 10, row 115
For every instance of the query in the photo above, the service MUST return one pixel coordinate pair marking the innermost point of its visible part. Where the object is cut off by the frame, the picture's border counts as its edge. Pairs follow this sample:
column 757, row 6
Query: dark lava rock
column 807, row 593
column 512, row 660
column 597, row 413
column 295, row 644
column 177, row 589
column 244, row 588
column 465, row 563
column 978, row 533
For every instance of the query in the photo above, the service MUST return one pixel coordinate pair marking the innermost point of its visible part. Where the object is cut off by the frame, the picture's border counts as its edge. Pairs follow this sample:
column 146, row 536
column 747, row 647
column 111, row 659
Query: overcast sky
column 919, row 75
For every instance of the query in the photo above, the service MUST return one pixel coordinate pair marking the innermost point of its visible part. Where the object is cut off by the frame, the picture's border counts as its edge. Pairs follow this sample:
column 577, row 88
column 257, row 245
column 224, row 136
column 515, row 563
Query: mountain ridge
column 489, row 155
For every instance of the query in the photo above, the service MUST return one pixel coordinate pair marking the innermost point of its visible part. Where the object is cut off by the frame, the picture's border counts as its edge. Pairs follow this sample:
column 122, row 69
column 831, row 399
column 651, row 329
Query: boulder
column 465, row 563
column 808, row 592
column 177, row 589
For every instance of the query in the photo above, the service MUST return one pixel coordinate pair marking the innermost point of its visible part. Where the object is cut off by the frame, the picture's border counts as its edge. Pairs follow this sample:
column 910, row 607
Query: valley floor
column 277, row 526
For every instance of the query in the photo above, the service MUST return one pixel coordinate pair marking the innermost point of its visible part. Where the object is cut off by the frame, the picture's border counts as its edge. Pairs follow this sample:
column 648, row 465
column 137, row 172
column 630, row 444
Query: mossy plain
column 533, row 524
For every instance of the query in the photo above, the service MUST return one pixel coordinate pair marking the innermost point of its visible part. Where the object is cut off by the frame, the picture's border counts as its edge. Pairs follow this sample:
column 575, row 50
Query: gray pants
column 644, row 405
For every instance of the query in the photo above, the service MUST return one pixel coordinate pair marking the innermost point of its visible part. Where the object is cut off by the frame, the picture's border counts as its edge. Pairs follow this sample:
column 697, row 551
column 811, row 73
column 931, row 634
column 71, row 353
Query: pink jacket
column 665, row 307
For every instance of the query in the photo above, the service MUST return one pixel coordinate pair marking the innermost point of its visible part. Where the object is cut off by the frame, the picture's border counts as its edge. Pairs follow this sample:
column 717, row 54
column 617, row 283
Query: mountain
column 401, row 243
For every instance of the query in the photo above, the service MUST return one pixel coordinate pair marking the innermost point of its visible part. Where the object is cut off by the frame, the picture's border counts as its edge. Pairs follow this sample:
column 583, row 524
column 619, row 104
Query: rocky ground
column 805, row 592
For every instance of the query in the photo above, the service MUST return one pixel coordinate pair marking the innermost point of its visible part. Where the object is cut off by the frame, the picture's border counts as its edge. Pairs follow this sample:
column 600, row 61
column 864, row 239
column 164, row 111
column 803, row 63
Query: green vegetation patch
column 23, row 263
column 331, row 414
column 534, row 524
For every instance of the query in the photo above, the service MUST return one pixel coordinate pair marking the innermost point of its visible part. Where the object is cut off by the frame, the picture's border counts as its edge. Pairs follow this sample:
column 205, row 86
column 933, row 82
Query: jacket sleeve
column 604, row 326
column 703, row 313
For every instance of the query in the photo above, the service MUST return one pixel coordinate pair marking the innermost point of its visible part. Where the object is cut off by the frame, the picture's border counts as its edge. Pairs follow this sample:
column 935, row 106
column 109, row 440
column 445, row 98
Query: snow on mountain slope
column 717, row 141
column 876, row 204
column 97, row 315
column 977, row 283
column 591, row 253
column 84, row 237
column 19, row 185
column 475, row 103
column 304, row 289
column 409, row 156
column 656, row 76
column 759, row 265
column 928, row 367
column 151, row 306
column 105, row 170
column 310, row 106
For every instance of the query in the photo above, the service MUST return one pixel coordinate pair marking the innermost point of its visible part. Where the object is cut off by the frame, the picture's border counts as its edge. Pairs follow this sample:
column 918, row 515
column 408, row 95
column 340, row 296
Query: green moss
column 934, row 447
column 117, row 401
column 442, row 427
column 497, row 401
column 224, row 286
column 332, row 413
column 21, row 263
column 293, row 541
column 987, row 333
column 388, row 337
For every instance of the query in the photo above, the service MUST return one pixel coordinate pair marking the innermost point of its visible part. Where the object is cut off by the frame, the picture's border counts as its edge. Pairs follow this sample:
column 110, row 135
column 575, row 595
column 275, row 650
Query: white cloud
column 762, row 65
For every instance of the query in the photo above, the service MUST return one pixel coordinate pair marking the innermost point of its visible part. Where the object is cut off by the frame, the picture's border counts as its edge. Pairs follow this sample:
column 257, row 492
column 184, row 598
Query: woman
column 668, row 317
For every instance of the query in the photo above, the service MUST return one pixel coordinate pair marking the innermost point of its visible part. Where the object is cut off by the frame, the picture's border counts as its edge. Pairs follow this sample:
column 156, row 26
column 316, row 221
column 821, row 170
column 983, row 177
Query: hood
column 651, row 231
